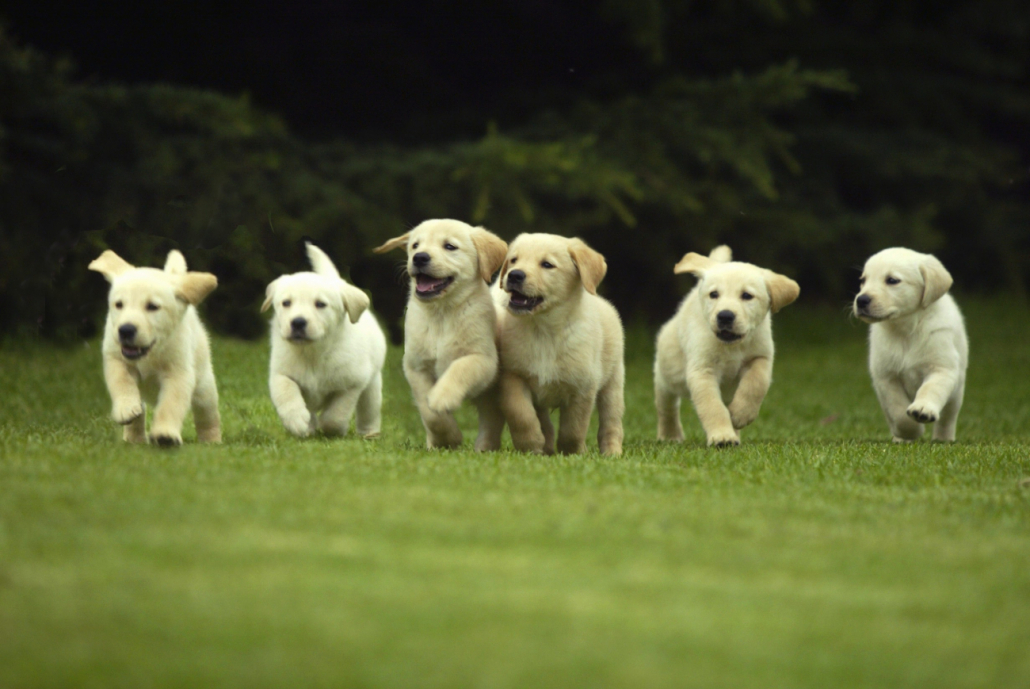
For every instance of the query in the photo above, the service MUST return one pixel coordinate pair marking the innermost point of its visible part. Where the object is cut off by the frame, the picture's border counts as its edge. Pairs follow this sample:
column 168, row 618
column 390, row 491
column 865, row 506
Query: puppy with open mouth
column 327, row 352
column 718, row 348
column 561, row 346
column 918, row 350
column 450, row 350
column 156, row 349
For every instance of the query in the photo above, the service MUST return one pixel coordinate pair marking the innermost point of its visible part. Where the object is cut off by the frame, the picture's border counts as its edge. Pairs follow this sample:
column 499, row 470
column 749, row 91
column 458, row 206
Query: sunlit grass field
column 817, row 554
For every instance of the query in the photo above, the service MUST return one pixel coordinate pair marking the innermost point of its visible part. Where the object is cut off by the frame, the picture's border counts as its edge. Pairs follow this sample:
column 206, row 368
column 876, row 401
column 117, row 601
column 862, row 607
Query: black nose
column 863, row 301
column 299, row 323
column 421, row 259
column 725, row 317
column 516, row 277
column 127, row 332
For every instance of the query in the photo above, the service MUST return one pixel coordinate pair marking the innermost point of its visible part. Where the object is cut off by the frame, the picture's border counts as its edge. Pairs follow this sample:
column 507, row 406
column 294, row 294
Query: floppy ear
column 392, row 244
column 194, row 287
column 320, row 262
column 176, row 263
column 782, row 290
column 936, row 280
column 695, row 264
column 269, row 295
column 110, row 265
column 590, row 263
column 355, row 301
column 490, row 249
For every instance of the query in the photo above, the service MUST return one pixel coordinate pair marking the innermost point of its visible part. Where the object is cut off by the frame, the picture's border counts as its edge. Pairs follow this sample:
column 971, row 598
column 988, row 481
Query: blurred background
column 807, row 134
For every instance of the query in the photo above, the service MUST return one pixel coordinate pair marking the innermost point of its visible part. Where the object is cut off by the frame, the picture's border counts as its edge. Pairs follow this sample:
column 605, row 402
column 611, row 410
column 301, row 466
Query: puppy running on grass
column 918, row 351
column 155, row 348
column 450, row 351
column 718, row 348
column 561, row 346
column 327, row 352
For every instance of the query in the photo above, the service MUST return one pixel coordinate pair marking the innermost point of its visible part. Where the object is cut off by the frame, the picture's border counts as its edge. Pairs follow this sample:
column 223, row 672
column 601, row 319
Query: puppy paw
column 922, row 412
column 166, row 439
column 127, row 411
column 723, row 439
column 742, row 416
column 298, row 424
column 903, row 441
column 444, row 400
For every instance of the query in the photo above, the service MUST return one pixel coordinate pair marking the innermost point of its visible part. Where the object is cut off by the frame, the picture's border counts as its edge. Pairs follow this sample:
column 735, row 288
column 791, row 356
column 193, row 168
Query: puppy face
column 146, row 305
column 898, row 282
column 445, row 255
column 544, row 270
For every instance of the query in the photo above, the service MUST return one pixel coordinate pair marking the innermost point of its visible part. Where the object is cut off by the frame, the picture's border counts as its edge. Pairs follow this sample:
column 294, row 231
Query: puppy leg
column 173, row 403
column 136, row 430
column 573, row 423
column 441, row 429
column 547, row 428
column 370, row 409
column 205, row 410
column 754, row 384
column 944, row 429
column 894, row 401
column 667, row 403
column 933, row 394
column 335, row 417
column 714, row 416
column 521, row 415
column 126, row 403
column 289, row 403
column 491, row 420
column 467, row 376
column 610, row 408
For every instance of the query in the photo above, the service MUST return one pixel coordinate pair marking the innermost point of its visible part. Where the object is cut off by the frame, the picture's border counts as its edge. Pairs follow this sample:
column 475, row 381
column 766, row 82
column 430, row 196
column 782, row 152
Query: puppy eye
column 747, row 296
column 415, row 245
column 450, row 247
column 287, row 303
column 861, row 280
column 514, row 261
column 151, row 306
column 319, row 304
column 118, row 305
column 714, row 295
column 892, row 281
column 547, row 264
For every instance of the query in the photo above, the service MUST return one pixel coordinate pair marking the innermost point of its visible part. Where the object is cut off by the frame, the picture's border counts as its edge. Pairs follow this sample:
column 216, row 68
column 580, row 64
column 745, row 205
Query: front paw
column 166, row 439
column 443, row 400
column 127, row 411
column 741, row 415
column 298, row 423
column 922, row 412
column 723, row 439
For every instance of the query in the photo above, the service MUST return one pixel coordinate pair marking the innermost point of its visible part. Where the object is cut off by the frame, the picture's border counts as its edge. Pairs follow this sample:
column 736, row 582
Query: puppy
column 718, row 348
column 450, row 352
column 561, row 346
column 918, row 350
column 327, row 352
column 155, row 348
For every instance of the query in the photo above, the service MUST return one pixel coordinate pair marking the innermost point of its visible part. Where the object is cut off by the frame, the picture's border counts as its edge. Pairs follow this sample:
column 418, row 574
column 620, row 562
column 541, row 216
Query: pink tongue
column 427, row 284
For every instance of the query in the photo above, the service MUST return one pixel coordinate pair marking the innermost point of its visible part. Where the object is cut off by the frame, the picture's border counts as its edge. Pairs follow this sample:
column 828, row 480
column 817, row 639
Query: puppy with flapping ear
column 918, row 351
column 156, row 349
column 450, row 352
column 561, row 346
column 718, row 348
column 327, row 352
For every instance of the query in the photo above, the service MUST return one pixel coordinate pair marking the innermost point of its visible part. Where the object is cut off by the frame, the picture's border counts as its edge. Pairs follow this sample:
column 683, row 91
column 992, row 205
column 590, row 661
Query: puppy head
column 736, row 297
column 146, row 305
column 311, row 304
column 898, row 282
column 445, row 256
column 544, row 270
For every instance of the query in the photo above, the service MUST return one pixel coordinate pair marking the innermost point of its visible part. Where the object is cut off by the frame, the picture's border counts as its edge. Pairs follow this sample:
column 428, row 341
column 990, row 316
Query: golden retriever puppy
column 918, row 350
column 718, row 348
column 450, row 351
column 327, row 352
column 561, row 346
column 156, row 349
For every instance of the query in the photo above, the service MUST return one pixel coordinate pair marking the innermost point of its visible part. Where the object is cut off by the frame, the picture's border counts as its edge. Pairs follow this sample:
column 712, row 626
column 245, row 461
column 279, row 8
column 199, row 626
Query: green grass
column 817, row 554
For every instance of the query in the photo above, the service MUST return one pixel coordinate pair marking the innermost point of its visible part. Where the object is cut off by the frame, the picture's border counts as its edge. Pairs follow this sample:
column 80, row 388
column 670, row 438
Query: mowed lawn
column 817, row 554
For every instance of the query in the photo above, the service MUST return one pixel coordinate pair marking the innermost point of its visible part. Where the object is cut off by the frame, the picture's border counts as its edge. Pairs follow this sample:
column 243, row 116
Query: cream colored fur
column 450, row 353
column 563, row 352
column 166, row 359
column 918, row 351
column 726, row 371
column 327, row 352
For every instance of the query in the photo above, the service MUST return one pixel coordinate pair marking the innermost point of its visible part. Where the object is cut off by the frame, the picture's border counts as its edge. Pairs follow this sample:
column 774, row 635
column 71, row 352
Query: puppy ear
column 392, row 244
column 782, row 290
column 591, row 264
column 194, row 287
column 936, row 280
column 695, row 264
column 355, row 301
column 110, row 265
column 490, row 250
column 320, row 262
column 176, row 263
column 269, row 295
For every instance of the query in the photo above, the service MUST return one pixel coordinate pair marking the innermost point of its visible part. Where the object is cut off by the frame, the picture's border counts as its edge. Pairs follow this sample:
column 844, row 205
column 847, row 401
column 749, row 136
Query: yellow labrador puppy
column 327, row 352
column 718, row 348
column 561, row 346
column 156, row 349
column 450, row 351
column 918, row 350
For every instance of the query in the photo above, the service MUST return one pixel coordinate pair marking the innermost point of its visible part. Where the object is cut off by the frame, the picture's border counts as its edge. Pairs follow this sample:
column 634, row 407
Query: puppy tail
column 175, row 263
column 320, row 262
column 721, row 253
